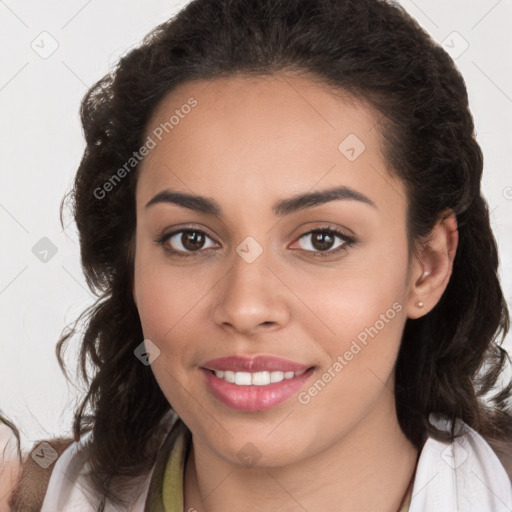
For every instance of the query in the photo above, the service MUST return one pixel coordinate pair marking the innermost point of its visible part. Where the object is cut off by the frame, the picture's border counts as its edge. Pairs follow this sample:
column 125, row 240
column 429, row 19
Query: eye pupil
column 192, row 240
column 325, row 240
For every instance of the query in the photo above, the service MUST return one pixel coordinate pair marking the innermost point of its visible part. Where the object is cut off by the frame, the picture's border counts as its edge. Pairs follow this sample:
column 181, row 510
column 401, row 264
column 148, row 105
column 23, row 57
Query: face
column 318, row 287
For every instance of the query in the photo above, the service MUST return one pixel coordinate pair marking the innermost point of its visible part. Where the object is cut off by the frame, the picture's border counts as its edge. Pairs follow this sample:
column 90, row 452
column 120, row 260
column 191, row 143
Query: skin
column 9, row 465
column 248, row 143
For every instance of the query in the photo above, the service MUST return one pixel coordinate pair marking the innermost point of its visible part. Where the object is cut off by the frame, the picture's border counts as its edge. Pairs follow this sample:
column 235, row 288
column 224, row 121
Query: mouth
column 254, row 384
column 263, row 378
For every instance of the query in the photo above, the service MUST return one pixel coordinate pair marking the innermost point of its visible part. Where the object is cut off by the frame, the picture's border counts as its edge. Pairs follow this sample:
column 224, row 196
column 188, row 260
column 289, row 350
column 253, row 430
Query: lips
column 254, row 384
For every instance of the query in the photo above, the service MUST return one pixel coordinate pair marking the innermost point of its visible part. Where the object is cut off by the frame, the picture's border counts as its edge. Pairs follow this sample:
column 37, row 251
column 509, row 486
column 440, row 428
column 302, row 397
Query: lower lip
column 254, row 398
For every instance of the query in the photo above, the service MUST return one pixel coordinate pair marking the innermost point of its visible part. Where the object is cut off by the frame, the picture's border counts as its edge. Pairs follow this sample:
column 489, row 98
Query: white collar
column 463, row 476
column 68, row 489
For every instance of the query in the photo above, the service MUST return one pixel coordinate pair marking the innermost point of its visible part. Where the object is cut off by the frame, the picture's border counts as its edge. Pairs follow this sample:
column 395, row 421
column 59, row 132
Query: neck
column 368, row 469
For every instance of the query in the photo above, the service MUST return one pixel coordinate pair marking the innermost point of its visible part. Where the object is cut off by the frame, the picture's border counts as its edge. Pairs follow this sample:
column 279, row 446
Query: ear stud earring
column 419, row 304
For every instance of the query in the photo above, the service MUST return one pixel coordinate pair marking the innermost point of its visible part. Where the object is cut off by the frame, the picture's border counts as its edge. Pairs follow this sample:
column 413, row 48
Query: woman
column 280, row 204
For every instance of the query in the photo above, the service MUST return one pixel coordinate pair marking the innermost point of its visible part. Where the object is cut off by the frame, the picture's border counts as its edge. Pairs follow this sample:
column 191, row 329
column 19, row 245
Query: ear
column 431, row 266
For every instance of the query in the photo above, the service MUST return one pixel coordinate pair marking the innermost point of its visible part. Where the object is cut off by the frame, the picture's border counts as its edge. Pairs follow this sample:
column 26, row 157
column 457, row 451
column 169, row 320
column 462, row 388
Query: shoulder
column 55, row 476
column 462, row 474
column 37, row 466
column 503, row 450
column 497, row 452
column 495, row 455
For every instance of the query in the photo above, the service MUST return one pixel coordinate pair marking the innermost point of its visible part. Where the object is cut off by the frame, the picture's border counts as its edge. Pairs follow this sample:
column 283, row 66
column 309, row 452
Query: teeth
column 255, row 378
column 276, row 376
column 243, row 378
column 260, row 378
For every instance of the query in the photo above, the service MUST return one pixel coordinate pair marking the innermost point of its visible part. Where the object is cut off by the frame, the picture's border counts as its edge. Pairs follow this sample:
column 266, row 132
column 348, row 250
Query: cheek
column 359, row 359
column 361, row 330
column 164, row 293
column 358, row 324
column 171, row 302
column 367, row 290
column 167, row 301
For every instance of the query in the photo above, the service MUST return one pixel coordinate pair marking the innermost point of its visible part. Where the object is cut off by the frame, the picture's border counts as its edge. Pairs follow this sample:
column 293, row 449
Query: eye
column 322, row 240
column 184, row 242
column 188, row 241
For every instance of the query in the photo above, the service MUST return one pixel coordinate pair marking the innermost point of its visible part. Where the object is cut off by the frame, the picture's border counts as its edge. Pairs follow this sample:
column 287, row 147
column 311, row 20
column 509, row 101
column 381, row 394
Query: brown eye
column 324, row 241
column 192, row 240
column 185, row 241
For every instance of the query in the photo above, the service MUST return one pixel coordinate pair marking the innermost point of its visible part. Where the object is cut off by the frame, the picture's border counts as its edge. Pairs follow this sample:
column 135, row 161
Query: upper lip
column 254, row 364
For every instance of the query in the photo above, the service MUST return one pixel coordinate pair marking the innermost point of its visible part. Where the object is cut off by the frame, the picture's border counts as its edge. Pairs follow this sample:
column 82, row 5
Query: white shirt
column 463, row 476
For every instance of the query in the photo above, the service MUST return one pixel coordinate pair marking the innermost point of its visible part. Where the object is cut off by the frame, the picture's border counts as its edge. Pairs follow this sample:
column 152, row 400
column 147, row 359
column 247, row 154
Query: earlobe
column 433, row 266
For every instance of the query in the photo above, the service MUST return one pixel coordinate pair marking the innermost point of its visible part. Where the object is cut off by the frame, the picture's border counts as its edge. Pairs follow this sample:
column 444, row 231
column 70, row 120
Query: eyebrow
column 282, row 208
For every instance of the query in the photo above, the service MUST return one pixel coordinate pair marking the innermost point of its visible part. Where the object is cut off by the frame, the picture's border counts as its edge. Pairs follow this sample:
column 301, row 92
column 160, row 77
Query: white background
column 42, row 145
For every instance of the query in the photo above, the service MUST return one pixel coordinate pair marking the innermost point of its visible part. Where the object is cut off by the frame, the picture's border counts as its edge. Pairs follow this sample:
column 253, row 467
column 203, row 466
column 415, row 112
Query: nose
column 251, row 298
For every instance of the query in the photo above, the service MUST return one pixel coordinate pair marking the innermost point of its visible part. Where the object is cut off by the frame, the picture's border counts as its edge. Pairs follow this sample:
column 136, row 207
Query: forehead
column 281, row 134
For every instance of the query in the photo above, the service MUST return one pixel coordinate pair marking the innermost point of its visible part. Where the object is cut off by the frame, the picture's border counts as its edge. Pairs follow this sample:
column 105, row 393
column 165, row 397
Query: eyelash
column 316, row 254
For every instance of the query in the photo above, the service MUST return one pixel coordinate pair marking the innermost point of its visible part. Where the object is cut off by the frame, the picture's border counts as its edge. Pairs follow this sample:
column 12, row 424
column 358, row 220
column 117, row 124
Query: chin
column 259, row 449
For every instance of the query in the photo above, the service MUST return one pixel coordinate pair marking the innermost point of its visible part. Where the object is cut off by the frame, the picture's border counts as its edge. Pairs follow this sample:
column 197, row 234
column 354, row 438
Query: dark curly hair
column 450, row 359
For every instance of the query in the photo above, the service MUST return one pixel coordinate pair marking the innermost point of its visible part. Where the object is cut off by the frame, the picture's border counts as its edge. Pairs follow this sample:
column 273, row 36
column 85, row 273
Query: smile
column 256, row 378
column 254, row 391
